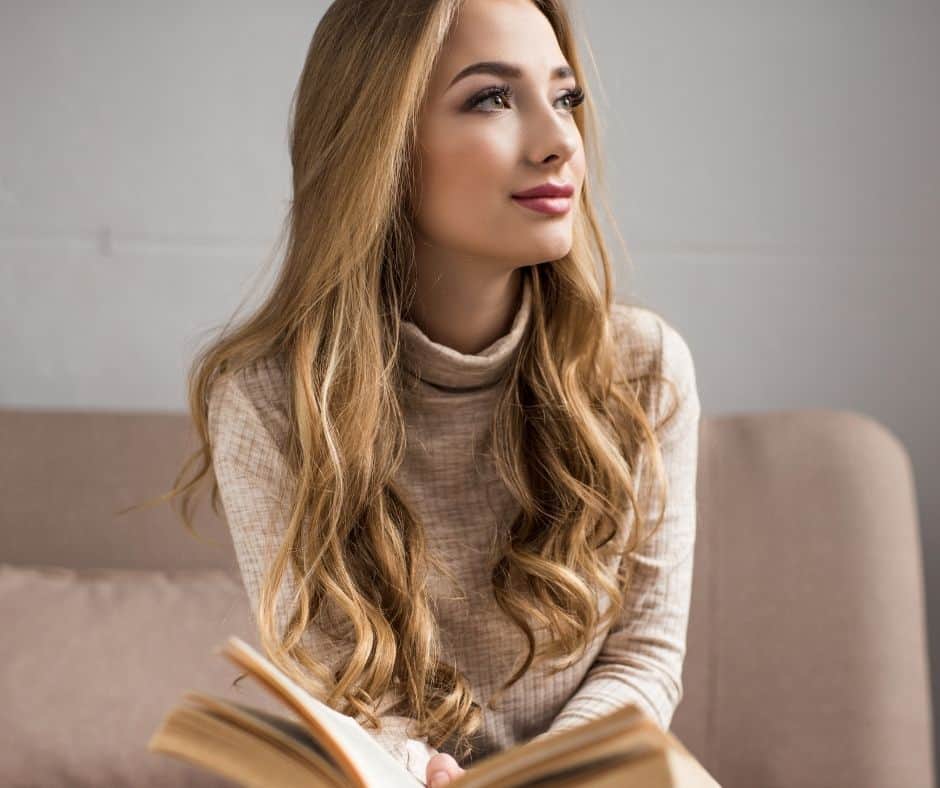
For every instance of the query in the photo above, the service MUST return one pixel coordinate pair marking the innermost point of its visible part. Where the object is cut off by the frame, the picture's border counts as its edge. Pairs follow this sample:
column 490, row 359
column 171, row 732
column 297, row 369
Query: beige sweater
column 461, row 503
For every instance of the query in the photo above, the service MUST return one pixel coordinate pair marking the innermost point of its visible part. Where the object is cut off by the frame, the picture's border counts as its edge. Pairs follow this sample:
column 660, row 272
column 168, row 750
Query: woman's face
column 479, row 145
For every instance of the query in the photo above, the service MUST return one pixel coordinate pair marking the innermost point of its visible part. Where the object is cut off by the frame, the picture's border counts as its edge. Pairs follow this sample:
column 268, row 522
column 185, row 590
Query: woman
column 460, row 480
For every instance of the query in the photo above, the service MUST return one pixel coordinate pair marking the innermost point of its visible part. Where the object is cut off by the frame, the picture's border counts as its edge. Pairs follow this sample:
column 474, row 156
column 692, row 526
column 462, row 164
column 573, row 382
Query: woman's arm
column 253, row 485
column 642, row 656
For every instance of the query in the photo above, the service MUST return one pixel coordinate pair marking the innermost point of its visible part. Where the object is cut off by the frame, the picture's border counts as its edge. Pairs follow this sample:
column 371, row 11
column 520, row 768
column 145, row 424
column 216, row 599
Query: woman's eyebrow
column 505, row 70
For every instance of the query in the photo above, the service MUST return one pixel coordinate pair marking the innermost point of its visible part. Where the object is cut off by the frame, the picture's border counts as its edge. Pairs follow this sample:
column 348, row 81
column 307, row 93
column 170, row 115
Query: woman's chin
column 551, row 246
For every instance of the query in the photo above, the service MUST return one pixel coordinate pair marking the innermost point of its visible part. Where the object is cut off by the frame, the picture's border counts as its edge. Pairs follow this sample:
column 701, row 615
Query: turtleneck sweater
column 463, row 505
column 436, row 367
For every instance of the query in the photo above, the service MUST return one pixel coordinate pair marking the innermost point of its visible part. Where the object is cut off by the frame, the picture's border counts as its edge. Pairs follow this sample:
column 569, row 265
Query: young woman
column 459, row 478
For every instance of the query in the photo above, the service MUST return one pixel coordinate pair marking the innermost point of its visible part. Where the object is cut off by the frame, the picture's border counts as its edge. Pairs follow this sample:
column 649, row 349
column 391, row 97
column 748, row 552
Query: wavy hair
column 569, row 434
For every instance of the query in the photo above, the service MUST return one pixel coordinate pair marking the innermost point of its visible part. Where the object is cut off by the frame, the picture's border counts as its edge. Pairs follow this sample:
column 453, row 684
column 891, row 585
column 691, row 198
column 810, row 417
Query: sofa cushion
column 92, row 660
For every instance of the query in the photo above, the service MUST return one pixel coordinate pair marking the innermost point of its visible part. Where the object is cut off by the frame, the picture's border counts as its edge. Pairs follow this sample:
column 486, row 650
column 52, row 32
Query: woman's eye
column 575, row 97
column 504, row 93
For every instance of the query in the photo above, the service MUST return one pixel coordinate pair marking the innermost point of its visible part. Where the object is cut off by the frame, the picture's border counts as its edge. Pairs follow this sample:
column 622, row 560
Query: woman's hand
column 442, row 768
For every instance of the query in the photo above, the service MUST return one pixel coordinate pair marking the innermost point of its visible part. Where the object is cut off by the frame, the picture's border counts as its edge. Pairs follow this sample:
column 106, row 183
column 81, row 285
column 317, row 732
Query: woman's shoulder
column 253, row 397
column 647, row 337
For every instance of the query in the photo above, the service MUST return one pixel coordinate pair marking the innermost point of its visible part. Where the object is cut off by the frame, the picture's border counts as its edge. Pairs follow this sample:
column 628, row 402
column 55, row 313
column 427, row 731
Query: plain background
column 773, row 168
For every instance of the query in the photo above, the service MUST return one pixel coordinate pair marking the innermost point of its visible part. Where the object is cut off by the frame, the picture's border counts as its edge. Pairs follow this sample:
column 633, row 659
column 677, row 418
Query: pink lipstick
column 549, row 198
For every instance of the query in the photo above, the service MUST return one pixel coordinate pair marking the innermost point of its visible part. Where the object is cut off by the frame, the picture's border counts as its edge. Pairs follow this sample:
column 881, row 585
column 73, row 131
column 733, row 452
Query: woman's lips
column 554, row 206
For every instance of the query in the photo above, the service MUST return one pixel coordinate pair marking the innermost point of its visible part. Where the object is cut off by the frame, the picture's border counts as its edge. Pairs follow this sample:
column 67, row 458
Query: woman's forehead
column 507, row 31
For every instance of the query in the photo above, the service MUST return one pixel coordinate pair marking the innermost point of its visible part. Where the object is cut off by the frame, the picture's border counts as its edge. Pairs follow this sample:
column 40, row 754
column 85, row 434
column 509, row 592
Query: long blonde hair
column 569, row 432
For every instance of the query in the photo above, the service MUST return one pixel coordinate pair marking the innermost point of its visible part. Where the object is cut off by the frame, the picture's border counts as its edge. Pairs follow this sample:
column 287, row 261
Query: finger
column 442, row 768
column 444, row 762
column 439, row 779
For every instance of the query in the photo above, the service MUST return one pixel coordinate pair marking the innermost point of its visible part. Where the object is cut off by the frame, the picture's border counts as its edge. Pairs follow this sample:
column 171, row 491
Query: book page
column 221, row 746
column 624, row 734
column 288, row 733
column 361, row 759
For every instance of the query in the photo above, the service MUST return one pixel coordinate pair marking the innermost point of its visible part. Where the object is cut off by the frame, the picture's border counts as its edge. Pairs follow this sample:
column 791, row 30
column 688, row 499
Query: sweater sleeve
column 253, row 485
column 641, row 658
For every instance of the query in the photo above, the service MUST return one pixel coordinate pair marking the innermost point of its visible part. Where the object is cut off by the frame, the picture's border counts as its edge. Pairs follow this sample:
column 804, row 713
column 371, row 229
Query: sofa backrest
column 66, row 474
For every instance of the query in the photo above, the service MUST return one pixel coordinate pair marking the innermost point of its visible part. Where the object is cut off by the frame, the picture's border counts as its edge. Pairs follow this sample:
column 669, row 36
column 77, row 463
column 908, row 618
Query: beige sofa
column 806, row 663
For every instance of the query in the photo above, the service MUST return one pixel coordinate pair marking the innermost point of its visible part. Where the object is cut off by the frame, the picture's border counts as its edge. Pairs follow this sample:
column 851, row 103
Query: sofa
column 807, row 651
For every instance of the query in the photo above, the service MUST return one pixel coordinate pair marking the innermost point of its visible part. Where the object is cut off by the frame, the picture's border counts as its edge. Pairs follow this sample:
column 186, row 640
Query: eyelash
column 576, row 96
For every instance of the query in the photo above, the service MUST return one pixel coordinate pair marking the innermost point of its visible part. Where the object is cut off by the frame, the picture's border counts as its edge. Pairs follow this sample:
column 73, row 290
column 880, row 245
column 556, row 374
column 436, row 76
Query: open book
column 322, row 747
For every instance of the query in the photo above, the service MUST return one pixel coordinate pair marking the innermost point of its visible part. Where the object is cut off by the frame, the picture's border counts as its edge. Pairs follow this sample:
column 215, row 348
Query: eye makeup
column 505, row 92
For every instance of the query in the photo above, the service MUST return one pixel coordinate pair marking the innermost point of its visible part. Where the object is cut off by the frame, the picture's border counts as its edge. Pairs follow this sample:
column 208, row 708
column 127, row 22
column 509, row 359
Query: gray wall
column 773, row 168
